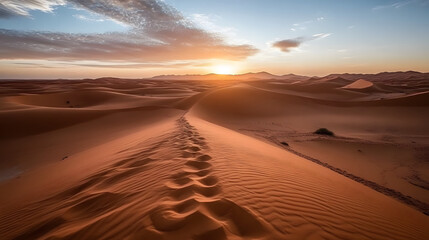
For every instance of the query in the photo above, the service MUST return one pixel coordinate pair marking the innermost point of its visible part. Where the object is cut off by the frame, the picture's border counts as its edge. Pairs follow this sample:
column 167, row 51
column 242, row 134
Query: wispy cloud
column 22, row 7
column 289, row 44
column 301, row 26
column 400, row 4
column 158, row 33
column 131, row 65
column 320, row 35
column 94, row 17
column 86, row 18
column 101, row 64
column 210, row 22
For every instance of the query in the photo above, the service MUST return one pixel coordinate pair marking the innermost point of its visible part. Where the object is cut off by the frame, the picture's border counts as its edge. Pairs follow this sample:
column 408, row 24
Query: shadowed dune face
column 167, row 159
column 77, row 99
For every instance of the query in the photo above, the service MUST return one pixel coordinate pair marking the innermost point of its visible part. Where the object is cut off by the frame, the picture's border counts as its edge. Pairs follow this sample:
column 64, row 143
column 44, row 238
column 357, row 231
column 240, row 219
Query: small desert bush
column 324, row 131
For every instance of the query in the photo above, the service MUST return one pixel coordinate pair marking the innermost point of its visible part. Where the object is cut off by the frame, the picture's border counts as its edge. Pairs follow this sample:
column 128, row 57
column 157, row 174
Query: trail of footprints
column 195, row 208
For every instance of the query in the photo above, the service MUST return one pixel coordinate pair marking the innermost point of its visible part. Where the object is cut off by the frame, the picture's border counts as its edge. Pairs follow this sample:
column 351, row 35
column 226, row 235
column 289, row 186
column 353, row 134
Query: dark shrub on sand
column 324, row 131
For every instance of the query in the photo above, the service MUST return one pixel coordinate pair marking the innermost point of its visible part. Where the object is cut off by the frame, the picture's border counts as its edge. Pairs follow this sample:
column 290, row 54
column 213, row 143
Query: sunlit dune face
column 224, row 69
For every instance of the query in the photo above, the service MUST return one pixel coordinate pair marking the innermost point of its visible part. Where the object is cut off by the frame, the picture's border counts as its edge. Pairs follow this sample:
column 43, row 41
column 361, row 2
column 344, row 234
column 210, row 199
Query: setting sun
column 224, row 69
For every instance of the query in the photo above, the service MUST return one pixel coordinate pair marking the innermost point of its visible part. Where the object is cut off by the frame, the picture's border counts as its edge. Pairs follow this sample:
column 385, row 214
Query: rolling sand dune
column 165, row 159
column 359, row 84
column 78, row 99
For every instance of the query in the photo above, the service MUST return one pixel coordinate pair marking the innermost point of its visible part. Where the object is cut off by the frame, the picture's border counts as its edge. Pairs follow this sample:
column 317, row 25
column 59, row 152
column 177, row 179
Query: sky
column 43, row 39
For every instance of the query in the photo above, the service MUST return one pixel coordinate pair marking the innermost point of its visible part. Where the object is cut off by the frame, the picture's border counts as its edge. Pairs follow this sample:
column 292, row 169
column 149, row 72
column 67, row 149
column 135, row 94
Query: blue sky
column 63, row 19
column 304, row 37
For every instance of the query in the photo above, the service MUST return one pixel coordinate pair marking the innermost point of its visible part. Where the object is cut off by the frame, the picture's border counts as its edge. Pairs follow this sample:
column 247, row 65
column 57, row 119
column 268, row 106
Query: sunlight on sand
column 172, row 159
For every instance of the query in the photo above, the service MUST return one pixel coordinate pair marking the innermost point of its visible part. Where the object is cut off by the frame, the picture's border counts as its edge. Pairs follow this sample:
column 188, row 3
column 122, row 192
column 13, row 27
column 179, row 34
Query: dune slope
column 202, row 181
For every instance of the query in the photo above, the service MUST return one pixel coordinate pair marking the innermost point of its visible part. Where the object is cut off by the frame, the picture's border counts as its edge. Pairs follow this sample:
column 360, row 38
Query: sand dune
column 153, row 159
column 359, row 84
column 78, row 99
column 239, row 103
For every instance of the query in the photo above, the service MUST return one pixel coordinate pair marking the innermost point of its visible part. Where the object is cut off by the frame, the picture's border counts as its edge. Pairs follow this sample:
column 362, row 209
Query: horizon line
column 211, row 73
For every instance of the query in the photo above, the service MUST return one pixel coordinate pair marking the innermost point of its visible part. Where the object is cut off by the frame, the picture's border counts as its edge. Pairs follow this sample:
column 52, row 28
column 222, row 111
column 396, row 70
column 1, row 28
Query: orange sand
column 168, row 159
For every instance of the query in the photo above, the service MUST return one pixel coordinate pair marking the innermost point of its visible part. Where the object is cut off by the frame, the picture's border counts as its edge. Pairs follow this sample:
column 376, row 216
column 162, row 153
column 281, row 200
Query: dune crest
column 359, row 84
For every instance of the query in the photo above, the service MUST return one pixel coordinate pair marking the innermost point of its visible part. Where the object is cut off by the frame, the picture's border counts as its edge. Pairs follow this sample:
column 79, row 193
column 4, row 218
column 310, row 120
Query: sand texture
column 214, row 159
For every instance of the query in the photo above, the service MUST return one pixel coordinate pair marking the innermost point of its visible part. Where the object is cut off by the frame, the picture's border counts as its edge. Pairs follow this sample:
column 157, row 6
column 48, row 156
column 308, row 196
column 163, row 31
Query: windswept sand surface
column 168, row 159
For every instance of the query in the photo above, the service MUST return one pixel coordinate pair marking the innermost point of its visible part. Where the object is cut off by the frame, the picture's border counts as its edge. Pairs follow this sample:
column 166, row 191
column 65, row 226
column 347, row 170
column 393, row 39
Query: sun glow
column 224, row 69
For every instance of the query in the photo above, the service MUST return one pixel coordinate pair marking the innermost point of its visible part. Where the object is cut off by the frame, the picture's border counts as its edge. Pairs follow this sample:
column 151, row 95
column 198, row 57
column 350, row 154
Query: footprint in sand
column 195, row 208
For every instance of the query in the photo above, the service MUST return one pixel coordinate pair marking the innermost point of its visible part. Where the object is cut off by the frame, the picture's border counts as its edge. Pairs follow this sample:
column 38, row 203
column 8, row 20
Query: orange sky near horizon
column 79, row 72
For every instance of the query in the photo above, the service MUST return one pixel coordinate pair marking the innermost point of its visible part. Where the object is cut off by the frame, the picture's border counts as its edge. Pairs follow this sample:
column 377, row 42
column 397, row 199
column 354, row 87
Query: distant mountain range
column 391, row 76
column 246, row 76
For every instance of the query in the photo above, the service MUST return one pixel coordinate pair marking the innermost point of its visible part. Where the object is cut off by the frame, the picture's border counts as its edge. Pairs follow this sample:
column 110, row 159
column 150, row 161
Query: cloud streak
column 86, row 18
column 158, row 33
column 288, row 44
column 10, row 8
column 400, row 4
